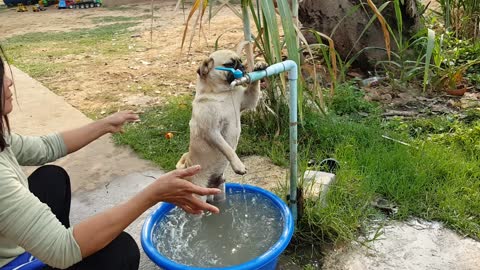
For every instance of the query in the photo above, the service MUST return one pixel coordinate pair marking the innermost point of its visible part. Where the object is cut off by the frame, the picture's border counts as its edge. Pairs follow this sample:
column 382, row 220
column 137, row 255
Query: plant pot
column 459, row 91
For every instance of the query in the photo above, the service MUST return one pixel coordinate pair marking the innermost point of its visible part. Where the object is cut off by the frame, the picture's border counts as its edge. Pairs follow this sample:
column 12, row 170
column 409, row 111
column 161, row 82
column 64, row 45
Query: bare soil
column 154, row 68
column 155, row 59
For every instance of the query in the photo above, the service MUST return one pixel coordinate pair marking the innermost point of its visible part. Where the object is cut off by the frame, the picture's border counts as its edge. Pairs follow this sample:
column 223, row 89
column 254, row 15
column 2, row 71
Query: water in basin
column 247, row 226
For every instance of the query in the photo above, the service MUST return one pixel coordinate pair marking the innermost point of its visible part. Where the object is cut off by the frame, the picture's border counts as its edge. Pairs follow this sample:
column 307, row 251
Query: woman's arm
column 77, row 138
column 96, row 232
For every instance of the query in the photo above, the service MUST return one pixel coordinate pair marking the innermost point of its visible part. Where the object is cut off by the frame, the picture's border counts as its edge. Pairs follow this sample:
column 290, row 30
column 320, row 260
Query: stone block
column 316, row 184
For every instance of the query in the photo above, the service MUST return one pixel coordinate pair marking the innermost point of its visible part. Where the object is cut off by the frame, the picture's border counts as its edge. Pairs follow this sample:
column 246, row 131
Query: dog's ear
column 205, row 67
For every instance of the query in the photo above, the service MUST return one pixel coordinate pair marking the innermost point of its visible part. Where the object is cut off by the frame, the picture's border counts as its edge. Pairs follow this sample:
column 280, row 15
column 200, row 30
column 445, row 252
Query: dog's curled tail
column 182, row 163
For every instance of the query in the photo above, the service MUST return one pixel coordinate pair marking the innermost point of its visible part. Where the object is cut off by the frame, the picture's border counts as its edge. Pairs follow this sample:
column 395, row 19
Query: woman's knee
column 51, row 172
column 121, row 254
column 130, row 250
column 51, row 185
column 129, row 243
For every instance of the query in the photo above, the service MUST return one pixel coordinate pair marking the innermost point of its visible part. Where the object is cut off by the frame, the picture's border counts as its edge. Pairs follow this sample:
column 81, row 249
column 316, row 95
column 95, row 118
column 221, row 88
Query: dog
column 215, row 124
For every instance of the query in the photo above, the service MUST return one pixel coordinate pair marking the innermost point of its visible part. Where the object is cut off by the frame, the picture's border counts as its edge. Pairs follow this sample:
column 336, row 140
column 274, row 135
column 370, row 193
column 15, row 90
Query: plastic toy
column 83, row 3
column 62, row 4
column 21, row 8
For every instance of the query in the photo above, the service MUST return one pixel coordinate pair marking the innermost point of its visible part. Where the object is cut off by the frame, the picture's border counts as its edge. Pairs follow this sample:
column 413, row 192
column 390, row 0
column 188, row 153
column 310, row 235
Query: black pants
column 51, row 184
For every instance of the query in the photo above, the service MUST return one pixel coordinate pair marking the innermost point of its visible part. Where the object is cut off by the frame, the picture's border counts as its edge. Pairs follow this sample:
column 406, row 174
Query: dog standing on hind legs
column 215, row 124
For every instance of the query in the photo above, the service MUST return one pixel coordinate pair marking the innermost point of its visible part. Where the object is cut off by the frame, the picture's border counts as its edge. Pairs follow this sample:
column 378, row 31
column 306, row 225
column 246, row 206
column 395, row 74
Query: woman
column 35, row 232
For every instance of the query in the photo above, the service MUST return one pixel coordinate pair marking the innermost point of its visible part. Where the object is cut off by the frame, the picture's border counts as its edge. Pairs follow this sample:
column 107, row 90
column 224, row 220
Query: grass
column 123, row 8
column 110, row 19
column 147, row 137
column 436, row 178
column 27, row 53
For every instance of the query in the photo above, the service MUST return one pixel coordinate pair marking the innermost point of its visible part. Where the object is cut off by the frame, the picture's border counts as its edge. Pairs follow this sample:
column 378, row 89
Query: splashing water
column 232, row 237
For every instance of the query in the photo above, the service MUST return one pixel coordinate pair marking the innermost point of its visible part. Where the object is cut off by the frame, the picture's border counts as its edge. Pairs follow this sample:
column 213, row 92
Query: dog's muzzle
column 237, row 65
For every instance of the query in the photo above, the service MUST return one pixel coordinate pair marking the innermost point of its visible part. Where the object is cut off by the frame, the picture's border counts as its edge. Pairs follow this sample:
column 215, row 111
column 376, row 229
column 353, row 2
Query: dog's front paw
column 239, row 169
column 260, row 66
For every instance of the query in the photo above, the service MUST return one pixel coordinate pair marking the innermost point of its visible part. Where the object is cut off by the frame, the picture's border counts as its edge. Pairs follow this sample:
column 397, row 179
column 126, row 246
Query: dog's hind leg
column 217, row 181
column 222, row 196
column 216, row 139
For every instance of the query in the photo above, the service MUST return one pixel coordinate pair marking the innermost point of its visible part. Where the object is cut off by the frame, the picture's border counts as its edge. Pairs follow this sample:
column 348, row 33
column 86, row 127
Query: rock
column 451, row 103
column 316, row 185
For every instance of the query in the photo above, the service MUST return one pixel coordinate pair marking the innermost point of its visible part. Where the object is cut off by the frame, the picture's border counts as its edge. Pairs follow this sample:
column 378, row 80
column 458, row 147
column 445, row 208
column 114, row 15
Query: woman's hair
column 4, row 125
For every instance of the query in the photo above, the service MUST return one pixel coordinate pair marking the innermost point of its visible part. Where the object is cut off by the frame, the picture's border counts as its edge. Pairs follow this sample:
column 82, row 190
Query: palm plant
column 274, row 41
column 271, row 40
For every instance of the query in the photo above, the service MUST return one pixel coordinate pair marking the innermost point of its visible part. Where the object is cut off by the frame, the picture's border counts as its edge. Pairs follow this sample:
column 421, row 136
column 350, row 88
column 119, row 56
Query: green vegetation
column 27, row 51
column 435, row 178
column 462, row 17
column 147, row 137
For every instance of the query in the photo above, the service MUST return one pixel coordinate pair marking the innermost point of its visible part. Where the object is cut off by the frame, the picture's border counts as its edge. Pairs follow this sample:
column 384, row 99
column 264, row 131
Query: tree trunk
column 325, row 15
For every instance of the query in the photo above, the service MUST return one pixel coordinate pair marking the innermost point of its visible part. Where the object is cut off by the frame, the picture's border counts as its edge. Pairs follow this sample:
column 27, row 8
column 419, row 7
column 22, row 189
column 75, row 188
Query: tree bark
column 325, row 15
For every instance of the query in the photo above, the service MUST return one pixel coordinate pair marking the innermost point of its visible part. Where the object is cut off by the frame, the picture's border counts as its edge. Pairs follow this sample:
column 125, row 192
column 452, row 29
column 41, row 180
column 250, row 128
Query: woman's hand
column 96, row 232
column 173, row 188
column 115, row 122
column 77, row 138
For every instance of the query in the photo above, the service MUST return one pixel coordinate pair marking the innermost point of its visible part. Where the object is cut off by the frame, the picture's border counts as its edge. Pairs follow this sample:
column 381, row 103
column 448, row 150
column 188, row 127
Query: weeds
column 462, row 16
column 148, row 139
column 123, row 8
column 455, row 56
column 434, row 179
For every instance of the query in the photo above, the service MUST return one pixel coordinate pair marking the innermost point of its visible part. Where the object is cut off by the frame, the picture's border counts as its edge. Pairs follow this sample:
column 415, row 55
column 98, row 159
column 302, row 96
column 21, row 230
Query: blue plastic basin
column 266, row 261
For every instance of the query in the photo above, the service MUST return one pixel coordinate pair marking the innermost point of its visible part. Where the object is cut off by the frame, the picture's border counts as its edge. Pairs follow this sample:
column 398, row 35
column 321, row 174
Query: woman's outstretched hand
column 115, row 122
column 173, row 188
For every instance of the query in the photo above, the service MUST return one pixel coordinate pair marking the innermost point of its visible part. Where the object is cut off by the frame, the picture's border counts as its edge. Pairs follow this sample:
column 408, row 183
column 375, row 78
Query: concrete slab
column 316, row 185
column 88, row 203
column 413, row 244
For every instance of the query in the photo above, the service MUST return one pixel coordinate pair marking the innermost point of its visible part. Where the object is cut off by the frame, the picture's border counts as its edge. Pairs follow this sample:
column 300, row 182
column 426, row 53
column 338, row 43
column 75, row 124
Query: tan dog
column 215, row 125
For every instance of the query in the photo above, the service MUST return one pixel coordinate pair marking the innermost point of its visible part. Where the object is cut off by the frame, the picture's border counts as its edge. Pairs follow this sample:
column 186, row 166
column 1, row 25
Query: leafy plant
column 457, row 54
column 413, row 56
column 268, row 43
column 455, row 60
column 348, row 100
column 462, row 17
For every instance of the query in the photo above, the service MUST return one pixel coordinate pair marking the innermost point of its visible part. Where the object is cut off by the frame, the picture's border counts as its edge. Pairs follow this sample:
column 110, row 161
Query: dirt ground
column 154, row 67
column 160, row 64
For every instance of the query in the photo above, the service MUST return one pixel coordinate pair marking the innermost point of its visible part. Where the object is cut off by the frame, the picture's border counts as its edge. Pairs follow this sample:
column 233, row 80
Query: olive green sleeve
column 32, row 225
column 34, row 151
